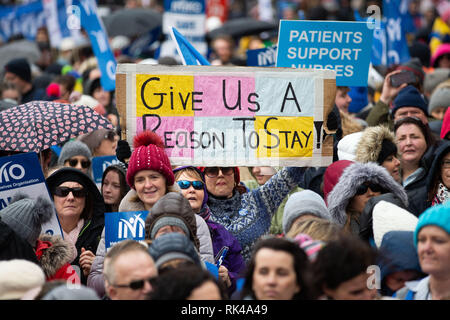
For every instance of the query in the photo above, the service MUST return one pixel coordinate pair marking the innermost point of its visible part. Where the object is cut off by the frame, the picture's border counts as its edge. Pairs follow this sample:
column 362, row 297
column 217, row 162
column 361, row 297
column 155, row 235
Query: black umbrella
column 19, row 49
column 240, row 27
column 132, row 22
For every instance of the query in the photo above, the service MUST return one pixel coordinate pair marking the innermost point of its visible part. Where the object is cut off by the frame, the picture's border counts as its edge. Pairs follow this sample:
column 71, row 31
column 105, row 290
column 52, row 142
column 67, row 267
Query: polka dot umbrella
column 38, row 125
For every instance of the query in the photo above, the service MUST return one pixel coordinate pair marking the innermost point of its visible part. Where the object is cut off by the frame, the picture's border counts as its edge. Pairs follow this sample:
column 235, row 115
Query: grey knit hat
column 439, row 98
column 64, row 292
column 168, row 221
column 302, row 203
column 172, row 246
column 433, row 79
column 25, row 216
column 74, row 148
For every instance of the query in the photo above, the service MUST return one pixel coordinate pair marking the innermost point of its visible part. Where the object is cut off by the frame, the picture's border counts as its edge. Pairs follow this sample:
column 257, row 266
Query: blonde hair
column 316, row 228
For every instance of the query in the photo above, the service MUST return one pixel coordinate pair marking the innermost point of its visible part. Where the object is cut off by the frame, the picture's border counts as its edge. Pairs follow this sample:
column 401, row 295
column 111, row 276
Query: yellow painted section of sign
column 164, row 95
column 284, row 136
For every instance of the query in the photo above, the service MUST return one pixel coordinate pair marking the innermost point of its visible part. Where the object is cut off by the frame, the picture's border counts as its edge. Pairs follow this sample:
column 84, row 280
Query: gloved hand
column 123, row 151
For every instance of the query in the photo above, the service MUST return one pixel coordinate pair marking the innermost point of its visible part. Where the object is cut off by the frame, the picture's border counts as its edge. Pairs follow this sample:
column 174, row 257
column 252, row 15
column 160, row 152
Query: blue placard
column 99, row 164
column 390, row 46
column 265, row 57
column 120, row 226
column 27, row 18
column 22, row 173
column 99, row 40
column 189, row 18
column 344, row 47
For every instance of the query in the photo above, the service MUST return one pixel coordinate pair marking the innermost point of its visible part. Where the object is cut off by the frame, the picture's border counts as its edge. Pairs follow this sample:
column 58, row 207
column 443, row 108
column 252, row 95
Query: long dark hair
column 435, row 176
column 302, row 267
column 124, row 187
column 342, row 260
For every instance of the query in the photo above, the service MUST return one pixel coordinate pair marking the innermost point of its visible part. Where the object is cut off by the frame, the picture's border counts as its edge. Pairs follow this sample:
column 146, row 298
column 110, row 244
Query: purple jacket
column 221, row 237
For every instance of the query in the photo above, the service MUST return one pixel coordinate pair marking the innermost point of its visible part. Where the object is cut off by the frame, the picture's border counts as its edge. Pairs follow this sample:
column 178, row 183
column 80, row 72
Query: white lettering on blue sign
column 136, row 226
column 9, row 173
column 186, row 7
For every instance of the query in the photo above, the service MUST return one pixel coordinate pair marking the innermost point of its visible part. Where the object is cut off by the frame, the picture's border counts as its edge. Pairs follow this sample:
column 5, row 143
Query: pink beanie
column 332, row 175
column 149, row 154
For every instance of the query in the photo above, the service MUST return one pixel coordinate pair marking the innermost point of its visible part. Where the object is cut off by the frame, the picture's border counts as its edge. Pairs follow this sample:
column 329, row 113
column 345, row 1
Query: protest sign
column 189, row 18
column 265, row 57
column 389, row 46
column 99, row 40
column 230, row 116
column 27, row 18
column 99, row 165
column 120, row 226
column 344, row 47
column 22, row 173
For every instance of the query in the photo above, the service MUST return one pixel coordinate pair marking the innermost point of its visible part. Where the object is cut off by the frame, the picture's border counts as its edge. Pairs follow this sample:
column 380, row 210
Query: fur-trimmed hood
column 353, row 176
column 370, row 144
column 55, row 256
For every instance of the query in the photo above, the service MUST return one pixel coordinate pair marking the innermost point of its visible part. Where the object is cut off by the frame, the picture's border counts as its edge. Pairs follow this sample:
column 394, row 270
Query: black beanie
column 387, row 148
column 410, row 97
column 20, row 67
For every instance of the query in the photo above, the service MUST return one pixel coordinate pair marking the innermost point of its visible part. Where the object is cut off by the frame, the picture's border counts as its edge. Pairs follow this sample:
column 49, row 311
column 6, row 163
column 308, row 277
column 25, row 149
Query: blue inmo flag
column 189, row 55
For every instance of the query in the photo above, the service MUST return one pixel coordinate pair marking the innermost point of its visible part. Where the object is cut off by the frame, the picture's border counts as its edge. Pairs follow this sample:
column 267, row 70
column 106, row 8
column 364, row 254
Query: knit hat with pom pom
column 25, row 216
column 149, row 154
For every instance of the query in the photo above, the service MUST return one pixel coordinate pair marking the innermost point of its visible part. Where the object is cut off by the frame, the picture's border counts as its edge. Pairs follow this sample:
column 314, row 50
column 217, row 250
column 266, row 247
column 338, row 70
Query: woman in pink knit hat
column 150, row 177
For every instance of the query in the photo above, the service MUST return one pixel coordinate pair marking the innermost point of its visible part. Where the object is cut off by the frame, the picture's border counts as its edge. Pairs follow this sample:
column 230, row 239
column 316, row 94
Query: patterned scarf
column 442, row 195
column 205, row 212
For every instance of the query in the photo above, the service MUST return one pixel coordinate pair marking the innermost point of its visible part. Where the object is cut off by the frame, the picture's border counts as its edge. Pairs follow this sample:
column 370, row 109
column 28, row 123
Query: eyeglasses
column 184, row 184
column 64, row 192
column 74, row 162
column 136, row 284
column 213, row 172
column 362, row 189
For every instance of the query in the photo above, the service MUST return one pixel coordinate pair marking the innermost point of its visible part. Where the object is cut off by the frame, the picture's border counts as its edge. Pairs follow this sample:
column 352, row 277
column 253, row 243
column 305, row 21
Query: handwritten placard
column 230, row 115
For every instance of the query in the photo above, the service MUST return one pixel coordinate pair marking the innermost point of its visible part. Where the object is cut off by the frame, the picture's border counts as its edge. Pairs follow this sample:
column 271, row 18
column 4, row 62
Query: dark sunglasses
column 136, row 285
column 184, row 184
column 364, row 187
column 64, row 192
column 213, row 172
column 74, row 162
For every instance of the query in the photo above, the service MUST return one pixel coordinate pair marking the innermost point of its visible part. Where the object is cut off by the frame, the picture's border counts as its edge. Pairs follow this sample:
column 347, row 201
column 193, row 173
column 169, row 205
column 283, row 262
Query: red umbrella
column 38, row 125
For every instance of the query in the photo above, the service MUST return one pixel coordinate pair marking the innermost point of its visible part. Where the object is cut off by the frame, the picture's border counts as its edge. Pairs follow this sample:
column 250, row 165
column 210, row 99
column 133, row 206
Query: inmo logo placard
column 135, row 225
column 15, row 171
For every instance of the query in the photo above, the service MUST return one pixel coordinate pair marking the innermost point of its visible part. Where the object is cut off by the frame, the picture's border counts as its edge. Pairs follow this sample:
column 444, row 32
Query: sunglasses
column 64, row 192
column 136, row 285
column 74, row 162
column 213, row 172
column 362, row 189
column 184, row 184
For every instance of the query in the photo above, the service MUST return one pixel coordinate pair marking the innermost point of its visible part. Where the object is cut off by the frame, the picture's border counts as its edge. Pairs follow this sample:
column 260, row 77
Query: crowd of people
column 374, row 224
